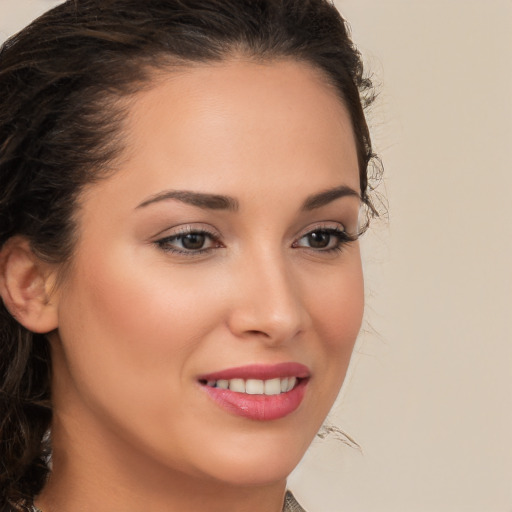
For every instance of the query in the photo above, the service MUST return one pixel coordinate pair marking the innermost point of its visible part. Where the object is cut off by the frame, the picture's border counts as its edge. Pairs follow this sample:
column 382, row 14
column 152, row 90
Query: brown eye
column 193, row 241
column 324, row 240
column 319, row 239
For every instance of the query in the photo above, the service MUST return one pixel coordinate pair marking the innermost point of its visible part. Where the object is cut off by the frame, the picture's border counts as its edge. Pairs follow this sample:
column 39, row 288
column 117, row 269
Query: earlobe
column 25, row 286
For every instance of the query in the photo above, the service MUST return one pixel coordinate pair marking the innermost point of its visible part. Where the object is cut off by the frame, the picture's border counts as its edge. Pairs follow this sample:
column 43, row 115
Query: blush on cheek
column 143, row 307
column 340, row 313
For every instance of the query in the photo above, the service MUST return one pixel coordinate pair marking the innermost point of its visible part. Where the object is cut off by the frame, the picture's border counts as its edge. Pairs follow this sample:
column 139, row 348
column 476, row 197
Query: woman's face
column 216, row 257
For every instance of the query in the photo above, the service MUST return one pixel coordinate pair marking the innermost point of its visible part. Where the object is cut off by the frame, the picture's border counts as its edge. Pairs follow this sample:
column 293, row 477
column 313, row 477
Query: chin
column 256, row 475
column 256, row 461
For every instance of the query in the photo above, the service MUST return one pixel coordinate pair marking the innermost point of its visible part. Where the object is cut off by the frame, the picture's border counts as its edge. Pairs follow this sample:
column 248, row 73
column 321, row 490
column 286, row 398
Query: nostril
column 256, row 332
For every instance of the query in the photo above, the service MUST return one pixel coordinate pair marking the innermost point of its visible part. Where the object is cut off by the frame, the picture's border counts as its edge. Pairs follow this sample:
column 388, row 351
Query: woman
column 181, row 190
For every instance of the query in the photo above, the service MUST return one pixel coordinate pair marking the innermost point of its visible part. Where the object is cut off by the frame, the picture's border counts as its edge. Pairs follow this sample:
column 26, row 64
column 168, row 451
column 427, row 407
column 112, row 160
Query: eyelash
column 164, row 243
column 343, row 238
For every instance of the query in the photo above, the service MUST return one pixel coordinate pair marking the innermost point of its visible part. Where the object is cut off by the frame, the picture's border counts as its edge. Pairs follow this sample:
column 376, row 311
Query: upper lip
column 259, row 371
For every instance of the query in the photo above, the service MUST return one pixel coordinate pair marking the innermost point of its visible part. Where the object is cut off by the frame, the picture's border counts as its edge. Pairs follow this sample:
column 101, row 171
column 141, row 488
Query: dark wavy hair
column 62, row 82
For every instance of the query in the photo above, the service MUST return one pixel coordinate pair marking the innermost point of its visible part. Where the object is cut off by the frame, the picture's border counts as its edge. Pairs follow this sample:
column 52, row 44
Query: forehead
column 237, row 127
column 240, row 106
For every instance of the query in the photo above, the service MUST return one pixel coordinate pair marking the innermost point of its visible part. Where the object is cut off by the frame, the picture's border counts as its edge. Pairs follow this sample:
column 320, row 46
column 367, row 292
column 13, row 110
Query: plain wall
column 429, row 393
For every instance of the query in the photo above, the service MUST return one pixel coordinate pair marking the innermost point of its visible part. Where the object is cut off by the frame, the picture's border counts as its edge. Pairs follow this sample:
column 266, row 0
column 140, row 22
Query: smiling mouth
column 258, row 392
column 268, row 387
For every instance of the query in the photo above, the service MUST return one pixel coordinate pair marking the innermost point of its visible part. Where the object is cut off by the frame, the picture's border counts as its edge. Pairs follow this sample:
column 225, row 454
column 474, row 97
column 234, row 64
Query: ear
column 26, row 285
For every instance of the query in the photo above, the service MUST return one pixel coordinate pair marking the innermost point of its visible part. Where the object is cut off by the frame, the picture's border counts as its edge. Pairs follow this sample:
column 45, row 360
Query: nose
column 268, row 304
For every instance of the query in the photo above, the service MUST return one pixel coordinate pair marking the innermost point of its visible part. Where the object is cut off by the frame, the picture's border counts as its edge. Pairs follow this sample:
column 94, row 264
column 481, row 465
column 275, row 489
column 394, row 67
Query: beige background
column 429, row 395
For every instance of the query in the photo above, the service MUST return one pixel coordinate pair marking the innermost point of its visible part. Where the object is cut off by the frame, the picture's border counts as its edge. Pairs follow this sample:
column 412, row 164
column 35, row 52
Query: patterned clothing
column 290, row 504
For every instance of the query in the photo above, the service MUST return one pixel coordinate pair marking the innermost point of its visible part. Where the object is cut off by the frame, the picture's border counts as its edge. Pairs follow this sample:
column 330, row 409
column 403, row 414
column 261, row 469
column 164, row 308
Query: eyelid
column 319, row 226
column 185, row 229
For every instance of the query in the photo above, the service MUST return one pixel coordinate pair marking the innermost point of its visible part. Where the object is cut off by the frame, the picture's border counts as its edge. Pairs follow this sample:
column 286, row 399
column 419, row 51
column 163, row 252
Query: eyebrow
column 328, row 196
column 199, row 199
column 221, row 202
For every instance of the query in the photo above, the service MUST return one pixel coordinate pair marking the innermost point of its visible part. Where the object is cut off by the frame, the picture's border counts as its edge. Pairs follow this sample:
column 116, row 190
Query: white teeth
column 256, row 386
column 291, row 383
column 237, row 385
column 273, row 387
column 224, row 384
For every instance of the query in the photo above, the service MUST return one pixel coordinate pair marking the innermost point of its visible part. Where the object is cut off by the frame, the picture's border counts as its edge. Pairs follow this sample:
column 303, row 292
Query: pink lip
column 259, row 407
column 260, row 371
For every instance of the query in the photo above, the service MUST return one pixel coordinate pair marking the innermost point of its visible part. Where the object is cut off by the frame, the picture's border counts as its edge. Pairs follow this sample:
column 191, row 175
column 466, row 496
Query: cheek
column 337, row 316
column 128, row 335
column 338, row 310
column 123, row 321
column 138, row 306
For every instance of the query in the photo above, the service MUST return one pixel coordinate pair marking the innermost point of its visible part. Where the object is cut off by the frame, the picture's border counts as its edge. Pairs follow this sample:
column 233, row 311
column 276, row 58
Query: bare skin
column 145, row 308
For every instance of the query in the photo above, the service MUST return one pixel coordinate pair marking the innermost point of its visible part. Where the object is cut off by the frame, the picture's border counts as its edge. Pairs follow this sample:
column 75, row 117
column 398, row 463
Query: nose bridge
column 269, row 300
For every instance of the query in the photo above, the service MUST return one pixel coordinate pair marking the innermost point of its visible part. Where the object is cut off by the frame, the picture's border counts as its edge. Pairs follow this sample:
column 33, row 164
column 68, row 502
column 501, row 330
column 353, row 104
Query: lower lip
column 259, row 407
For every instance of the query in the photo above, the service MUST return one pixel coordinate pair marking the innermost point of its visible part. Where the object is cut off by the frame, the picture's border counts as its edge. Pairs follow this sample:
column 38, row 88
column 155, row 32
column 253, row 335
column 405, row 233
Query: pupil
column 193, row 241
column 319, row 239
